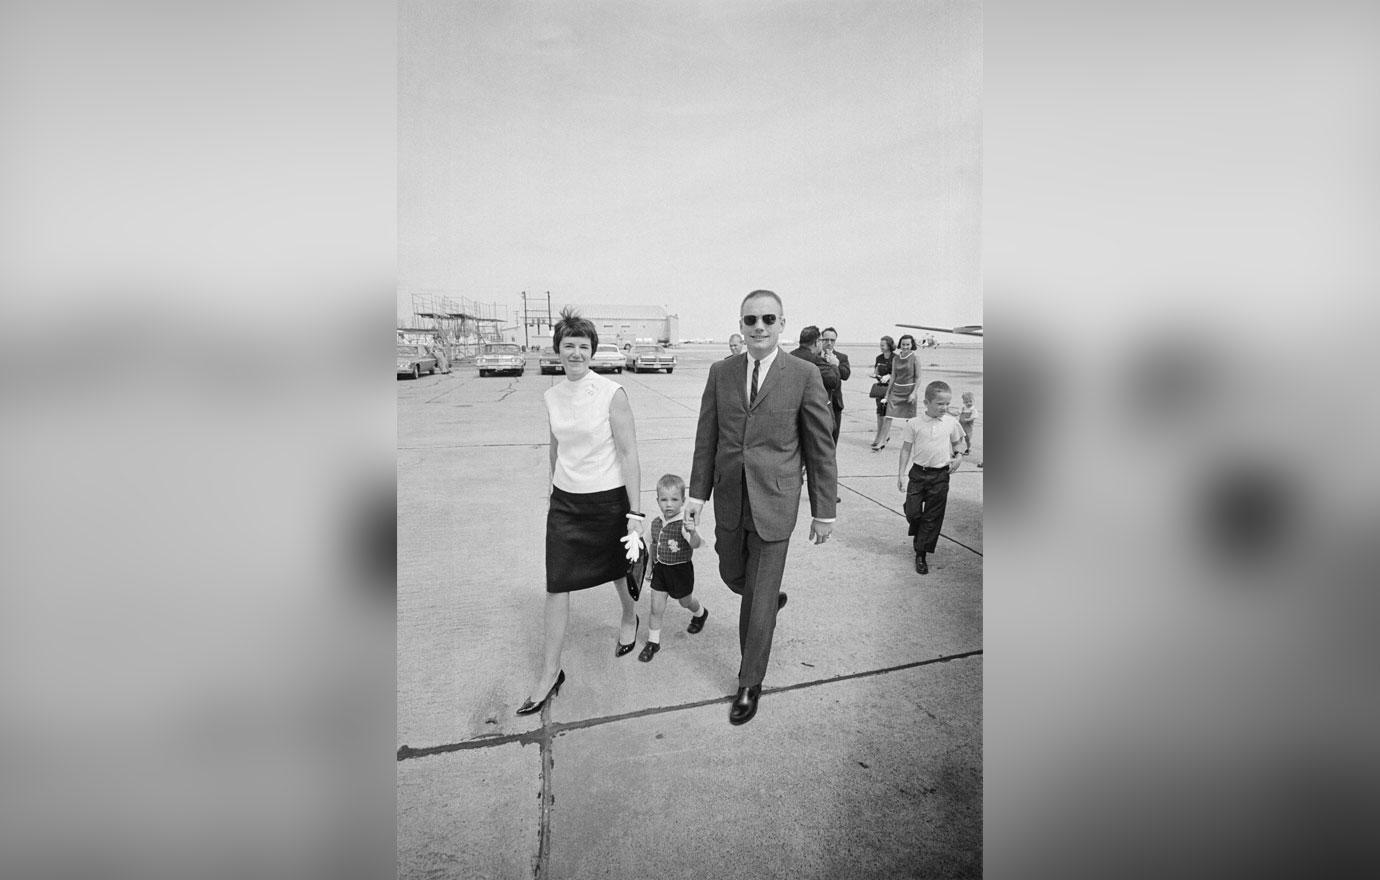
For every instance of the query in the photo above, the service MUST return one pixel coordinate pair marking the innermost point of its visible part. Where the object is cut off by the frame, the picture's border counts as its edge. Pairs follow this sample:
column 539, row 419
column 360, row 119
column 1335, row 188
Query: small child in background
column 673, row 574
column 966, row 416
column 929, row 453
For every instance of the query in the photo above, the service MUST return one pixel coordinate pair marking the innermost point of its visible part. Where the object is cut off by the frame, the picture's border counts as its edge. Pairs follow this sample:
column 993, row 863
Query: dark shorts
column 584, row 546
column 676, row 581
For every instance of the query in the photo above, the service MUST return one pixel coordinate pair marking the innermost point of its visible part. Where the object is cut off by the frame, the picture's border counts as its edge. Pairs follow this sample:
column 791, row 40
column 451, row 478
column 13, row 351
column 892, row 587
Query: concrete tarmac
column 865, row 757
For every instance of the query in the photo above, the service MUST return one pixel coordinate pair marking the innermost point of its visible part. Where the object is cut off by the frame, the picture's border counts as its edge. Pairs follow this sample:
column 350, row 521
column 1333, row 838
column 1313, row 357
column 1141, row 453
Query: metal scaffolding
column 459, row 323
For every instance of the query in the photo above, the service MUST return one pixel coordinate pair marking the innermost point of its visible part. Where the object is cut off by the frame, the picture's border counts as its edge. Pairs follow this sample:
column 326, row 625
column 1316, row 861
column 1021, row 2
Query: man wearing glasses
column 839, row 361
column 762, row 416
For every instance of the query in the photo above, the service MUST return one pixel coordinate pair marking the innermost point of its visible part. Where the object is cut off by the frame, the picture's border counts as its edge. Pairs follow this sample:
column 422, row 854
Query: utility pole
column 550, row 321
column 524, row 320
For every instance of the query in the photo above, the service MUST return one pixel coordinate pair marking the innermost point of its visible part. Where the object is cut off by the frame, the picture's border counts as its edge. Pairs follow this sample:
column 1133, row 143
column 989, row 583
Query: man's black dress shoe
column 649, row 651
column 625, row 649
column 697, row 623
column 921, row 566
column 528, row 707
column 744, row 705
column 781, row 601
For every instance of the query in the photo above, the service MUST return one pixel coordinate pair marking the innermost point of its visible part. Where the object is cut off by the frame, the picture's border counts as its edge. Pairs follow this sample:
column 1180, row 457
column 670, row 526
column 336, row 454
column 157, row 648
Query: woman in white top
column 595, row 483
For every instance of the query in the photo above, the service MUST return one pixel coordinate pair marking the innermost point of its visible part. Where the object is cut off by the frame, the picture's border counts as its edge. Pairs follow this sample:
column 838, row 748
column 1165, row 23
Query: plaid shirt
column 669, row 546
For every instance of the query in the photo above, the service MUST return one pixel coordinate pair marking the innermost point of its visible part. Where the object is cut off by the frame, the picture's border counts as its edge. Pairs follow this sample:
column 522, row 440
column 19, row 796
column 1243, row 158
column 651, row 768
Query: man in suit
column 839, row 361
column 812, row 349
column 762, row 415
column 735, row 345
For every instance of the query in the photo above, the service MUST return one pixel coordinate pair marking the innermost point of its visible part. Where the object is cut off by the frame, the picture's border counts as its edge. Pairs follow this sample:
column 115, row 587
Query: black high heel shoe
column 626, row 649
column 528, row 707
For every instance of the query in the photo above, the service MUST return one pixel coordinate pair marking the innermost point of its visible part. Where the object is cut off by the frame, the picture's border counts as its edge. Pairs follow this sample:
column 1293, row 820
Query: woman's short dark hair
column 890, row 343
column 904, row 337
column 571, row 324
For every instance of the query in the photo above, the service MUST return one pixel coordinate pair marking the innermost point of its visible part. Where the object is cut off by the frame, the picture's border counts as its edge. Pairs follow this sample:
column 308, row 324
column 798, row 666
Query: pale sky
column 683, row 154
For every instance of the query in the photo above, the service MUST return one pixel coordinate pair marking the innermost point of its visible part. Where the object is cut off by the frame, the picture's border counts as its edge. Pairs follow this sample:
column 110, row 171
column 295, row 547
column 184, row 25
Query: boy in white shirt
column 930, row 445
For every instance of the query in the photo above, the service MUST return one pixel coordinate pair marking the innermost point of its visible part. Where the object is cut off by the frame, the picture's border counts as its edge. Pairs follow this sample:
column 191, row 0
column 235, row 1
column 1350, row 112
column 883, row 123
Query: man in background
column 839, row 361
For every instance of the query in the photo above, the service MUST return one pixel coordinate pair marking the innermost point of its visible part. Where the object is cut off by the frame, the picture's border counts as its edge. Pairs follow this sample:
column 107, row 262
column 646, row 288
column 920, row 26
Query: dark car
column 551, row 362
column 414, row 360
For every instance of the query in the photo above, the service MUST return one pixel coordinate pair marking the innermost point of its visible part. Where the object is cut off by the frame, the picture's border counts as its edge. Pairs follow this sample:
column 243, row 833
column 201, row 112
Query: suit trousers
column 752, row 568
column 838, row 422
column 927, row 494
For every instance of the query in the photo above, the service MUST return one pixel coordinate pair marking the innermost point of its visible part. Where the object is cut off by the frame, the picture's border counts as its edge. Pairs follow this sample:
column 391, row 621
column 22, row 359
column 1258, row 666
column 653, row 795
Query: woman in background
column 881, row 372
column 905, row 378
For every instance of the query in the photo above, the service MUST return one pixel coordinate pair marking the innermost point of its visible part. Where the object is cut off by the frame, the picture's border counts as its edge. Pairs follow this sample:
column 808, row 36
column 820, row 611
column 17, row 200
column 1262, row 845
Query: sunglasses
column 751, row 320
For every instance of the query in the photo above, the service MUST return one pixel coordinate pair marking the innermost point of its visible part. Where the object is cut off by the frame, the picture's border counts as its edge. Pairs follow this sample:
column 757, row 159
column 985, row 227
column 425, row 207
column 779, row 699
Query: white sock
column 704, row 609
column 654, row 635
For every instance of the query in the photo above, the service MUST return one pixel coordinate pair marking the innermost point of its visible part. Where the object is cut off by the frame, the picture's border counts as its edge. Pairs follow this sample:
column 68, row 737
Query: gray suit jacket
column 790, row 424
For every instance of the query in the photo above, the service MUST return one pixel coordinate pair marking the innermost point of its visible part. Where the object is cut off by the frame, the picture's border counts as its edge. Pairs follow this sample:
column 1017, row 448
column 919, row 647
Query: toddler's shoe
column 697, row 623
column 649, row 651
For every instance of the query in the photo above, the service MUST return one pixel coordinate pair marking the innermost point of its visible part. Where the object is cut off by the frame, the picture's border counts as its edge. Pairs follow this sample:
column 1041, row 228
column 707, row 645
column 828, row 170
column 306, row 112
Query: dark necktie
column 752, row 393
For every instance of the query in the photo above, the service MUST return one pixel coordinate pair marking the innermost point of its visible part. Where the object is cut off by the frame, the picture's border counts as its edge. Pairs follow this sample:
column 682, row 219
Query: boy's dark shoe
column 921, row 566
column 697, row 623
column 649, row 651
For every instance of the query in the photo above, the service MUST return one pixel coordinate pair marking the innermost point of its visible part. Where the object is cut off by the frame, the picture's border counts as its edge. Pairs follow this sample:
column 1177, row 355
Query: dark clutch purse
column 878, row 391
column 637, row 571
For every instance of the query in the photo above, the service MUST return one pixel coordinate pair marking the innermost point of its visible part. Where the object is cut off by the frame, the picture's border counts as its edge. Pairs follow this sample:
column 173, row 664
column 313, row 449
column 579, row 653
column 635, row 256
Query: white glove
column 633, row 544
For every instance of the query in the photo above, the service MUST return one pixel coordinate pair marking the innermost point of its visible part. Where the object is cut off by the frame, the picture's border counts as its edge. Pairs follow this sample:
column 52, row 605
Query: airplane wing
column 965, row 330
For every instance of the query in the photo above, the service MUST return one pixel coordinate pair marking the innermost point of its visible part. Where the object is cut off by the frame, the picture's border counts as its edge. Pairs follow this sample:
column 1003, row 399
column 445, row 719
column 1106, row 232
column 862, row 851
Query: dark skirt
column 584, row 532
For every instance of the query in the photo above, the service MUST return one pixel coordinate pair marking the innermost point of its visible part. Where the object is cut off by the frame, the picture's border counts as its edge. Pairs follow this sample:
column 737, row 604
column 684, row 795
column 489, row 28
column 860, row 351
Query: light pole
column 524, row 320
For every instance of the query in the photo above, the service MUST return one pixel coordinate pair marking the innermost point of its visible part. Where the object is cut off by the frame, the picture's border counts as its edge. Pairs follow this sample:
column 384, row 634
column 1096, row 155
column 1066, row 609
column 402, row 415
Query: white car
column 502, row 357
column 608, row 359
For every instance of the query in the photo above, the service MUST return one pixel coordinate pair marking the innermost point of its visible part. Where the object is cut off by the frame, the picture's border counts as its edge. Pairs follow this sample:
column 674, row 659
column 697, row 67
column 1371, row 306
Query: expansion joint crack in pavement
column 972, row 550
column 546, row 733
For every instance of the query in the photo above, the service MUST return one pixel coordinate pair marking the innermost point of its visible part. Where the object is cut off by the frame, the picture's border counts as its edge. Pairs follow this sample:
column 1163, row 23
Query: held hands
column 692, row 514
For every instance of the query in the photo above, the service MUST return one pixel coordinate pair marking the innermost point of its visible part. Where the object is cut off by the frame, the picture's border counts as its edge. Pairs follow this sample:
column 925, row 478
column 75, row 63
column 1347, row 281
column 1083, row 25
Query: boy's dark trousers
column 927, row 494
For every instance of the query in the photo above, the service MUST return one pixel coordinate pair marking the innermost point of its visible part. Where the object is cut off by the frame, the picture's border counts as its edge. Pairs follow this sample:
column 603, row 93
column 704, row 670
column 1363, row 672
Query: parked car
column 608, row 359
column 551, row 362
column 501, row 357
column 650, row 357
column 414, row 360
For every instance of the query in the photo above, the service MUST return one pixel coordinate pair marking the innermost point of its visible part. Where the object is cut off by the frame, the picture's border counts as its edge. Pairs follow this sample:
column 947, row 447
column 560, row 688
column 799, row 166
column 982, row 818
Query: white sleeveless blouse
column 586, row 460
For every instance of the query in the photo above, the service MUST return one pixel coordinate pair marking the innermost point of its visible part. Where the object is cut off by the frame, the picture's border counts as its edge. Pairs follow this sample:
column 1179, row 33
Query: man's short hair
column 780, row 309
column 809, row 335
column 829, row 330
column 934, row 388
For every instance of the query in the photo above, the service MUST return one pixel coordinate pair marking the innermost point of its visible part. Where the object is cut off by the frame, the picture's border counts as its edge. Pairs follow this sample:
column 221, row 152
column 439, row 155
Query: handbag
column 878, row 390
column 637, row 572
